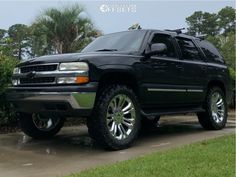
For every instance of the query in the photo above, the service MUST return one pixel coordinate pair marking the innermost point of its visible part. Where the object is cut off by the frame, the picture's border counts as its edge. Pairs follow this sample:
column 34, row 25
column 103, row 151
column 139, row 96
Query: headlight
column 80, row 66
column 16, row 71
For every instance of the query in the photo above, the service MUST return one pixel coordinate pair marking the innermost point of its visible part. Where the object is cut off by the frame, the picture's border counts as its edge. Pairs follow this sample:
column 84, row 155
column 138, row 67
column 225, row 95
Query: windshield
column 122, row 41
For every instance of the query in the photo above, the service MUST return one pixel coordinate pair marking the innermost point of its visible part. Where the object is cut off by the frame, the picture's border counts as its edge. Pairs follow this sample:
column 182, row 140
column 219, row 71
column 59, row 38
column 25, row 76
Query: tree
column 226, row 20
column 6, row 66
column 40, row 44
column 228, row 50
column 2, row 33
column 62, row 31
column 210, row 23
column 18, row 35
column 5, row 43
column 2, row 41
column 202, row 23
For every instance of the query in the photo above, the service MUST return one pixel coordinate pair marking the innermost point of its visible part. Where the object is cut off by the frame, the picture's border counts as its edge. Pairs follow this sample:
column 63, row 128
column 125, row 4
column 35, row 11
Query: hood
column 71, row 57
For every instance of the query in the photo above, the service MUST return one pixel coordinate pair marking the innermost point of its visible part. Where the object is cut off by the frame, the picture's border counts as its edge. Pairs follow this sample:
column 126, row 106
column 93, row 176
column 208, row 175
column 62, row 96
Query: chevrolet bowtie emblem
column 31, row 74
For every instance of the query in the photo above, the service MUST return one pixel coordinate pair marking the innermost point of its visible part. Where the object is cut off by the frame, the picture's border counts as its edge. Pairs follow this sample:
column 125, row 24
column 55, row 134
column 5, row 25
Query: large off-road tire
column 40, row 126
column 215, row 116
column 115, row 121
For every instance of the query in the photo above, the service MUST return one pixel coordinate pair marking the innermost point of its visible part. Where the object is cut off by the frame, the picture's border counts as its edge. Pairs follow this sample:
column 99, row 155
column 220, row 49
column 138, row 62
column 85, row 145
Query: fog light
column 73, row 80
column 66, row 80
column 15, row 82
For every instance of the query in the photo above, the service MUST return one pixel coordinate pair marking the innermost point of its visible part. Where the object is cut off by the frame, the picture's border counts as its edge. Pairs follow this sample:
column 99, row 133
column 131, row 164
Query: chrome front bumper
column 66, row 100
column 77, row 100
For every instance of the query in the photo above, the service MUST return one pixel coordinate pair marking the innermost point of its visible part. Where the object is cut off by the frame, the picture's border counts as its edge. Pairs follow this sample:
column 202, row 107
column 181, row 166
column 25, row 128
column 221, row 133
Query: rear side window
column 188, row 49
column 212, row 54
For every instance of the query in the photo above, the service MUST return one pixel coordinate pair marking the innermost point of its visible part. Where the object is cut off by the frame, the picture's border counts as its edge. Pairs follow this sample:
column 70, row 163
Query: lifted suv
column 120, row 79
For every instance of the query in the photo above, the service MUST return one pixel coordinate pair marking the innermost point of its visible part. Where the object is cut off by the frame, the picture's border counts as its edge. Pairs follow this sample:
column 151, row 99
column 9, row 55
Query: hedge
column 7, row 65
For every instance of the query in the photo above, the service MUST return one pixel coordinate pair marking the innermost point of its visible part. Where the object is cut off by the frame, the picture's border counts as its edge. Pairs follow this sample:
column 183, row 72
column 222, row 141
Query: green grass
column 212, row 158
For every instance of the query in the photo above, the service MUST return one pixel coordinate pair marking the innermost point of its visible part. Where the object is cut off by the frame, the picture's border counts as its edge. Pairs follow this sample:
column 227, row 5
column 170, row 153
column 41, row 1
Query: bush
column 7, row 65
column 232, row 75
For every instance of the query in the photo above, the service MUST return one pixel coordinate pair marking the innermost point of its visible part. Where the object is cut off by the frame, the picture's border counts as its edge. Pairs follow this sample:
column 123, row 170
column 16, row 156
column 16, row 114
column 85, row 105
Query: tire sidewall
column 214, row 124
column 127, row 141
column 28, row 127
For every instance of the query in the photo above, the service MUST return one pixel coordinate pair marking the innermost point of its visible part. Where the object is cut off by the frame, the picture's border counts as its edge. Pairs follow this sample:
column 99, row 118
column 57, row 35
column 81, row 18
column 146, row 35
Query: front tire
column 215, row 116
column 40, row 126
column 115, row 121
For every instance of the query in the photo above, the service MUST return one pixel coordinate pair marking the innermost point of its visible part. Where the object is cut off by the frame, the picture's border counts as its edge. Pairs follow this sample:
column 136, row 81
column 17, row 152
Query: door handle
column 180, row 67
column 203, row 68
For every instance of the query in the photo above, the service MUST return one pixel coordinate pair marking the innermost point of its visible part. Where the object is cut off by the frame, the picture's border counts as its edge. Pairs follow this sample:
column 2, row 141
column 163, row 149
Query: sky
column 113, row 16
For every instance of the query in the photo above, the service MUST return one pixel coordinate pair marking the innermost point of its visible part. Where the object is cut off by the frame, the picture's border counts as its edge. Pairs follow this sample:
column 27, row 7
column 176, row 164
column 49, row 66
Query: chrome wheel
column 44, row 123
column 120, row 116
column 217, row 107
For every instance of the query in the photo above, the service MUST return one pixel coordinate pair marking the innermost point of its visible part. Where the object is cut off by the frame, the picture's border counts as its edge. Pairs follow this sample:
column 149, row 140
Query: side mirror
column 157, row 48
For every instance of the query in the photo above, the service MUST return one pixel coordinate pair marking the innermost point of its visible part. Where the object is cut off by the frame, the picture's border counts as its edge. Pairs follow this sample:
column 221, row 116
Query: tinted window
column 122, row 41
column 166, row 39
column 188, row 49
column 211, row 52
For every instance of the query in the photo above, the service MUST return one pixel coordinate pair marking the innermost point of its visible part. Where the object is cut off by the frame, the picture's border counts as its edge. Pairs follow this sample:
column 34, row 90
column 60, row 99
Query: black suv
column 119, row 80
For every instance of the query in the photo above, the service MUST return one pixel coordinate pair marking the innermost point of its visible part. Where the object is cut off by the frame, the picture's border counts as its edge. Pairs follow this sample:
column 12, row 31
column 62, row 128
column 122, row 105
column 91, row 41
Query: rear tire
column 38, row 126
column 115, row 121
column 215, row 116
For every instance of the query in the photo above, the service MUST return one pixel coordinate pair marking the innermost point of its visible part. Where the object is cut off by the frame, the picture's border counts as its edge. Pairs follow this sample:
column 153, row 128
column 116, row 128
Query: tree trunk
column 59, row 47
column 19, row 53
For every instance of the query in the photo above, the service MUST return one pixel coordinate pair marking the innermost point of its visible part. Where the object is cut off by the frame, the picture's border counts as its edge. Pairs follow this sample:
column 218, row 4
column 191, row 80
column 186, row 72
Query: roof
column 172, row 33
column 166, row 32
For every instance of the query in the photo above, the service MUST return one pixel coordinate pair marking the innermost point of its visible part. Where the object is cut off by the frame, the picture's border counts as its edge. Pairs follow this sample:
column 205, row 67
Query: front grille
column 37, row 80
column 38, row 68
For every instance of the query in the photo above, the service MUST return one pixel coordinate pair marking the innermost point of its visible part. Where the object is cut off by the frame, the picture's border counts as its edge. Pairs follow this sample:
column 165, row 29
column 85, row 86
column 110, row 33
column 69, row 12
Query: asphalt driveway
column 72, row 150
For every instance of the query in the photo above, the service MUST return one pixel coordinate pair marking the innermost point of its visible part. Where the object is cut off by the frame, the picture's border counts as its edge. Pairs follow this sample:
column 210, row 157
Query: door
column 163, row 84
column 194, row 70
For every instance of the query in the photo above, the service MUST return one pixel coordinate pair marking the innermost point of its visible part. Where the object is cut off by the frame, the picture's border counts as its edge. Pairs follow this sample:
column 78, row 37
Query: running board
column 151, row 113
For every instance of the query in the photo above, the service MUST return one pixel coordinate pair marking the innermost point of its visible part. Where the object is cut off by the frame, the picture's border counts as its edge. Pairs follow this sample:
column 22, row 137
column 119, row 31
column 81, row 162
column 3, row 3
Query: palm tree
column 63, row 30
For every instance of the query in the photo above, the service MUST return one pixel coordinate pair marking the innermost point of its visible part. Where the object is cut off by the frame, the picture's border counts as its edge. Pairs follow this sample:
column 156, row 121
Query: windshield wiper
column 101, row 50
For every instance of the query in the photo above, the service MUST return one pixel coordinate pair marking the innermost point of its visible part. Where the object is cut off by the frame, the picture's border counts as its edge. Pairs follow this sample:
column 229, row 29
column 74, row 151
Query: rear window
column 211, row 52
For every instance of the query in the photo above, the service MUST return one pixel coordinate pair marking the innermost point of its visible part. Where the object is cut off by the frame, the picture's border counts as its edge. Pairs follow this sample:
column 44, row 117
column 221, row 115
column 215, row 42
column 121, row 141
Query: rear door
column 194, row 70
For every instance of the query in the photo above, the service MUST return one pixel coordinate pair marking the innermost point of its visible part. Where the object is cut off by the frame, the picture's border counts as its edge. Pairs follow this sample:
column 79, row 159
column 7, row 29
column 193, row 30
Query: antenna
column 178, row 31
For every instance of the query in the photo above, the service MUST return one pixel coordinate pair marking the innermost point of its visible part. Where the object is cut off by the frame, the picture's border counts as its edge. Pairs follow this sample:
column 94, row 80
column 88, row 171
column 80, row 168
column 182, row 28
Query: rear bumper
column 64, row 100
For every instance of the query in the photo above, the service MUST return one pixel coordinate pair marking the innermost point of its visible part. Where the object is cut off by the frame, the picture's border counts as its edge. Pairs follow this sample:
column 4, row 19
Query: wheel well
column 119, row 78
column 216, row 83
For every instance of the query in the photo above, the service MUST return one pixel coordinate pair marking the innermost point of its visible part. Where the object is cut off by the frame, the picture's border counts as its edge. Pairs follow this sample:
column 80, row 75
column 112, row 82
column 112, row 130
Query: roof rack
column 201, row 36
column 178, row 31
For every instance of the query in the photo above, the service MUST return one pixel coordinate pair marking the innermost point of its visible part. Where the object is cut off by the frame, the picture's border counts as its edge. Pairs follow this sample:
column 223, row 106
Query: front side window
column 211, row 52
column 188, row 49
column 166, row 39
